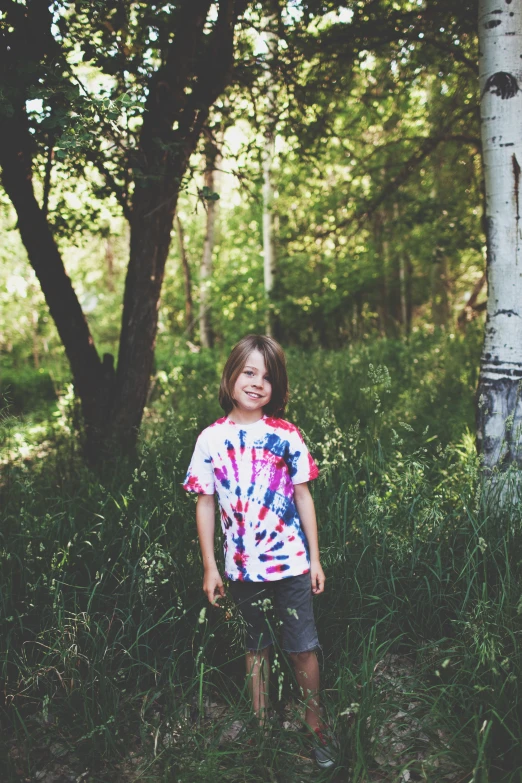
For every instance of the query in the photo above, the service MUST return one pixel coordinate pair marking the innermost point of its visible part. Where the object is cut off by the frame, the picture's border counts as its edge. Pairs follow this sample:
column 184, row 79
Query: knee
column 302, row 658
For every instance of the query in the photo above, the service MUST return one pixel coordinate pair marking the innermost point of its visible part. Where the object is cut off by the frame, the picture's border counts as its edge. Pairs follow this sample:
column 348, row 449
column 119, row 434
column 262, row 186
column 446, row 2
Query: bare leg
column 258, row 675
column 307, row 672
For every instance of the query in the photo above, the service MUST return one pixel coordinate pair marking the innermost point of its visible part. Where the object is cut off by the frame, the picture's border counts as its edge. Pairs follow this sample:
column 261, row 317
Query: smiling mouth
column 253, row 395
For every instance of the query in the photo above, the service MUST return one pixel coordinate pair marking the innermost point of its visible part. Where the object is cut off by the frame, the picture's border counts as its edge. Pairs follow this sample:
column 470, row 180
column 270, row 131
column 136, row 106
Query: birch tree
column 499, row 404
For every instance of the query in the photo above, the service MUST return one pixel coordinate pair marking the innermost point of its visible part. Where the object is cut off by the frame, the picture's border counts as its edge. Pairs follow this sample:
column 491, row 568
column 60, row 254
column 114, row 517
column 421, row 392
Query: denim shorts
column 291, row 598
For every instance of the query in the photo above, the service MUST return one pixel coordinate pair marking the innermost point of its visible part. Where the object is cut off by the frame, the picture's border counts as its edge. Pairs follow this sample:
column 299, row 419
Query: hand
column 318, row 578
column 212, row 584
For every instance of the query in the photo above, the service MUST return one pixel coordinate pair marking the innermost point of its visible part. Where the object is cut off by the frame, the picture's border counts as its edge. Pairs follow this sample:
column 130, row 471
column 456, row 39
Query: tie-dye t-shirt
column 253, row 469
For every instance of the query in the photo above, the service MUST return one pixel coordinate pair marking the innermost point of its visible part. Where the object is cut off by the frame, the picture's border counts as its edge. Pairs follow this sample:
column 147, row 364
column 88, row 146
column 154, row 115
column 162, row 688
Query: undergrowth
column 109, row 649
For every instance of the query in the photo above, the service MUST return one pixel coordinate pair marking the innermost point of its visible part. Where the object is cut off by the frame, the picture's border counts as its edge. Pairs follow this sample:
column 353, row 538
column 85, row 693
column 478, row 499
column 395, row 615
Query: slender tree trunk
column 382, row 257
column 189, row 317
column 499, row 399
column 470, row 309
column 408, row 292
column 109, row 259
column 205, row 276
column 269, row 260
column 402, row 275
column 439, row 288
column 384, row 289
column 440, row 306
column 34, row 324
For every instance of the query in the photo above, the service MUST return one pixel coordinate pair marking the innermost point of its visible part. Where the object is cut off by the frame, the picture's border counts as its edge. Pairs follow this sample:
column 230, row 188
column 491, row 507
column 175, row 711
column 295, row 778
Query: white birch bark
column 269, row 261
column 499, row 403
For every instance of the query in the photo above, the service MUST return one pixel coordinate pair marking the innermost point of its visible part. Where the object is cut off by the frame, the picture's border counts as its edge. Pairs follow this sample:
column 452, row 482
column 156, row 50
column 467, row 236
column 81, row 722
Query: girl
column 260, row 466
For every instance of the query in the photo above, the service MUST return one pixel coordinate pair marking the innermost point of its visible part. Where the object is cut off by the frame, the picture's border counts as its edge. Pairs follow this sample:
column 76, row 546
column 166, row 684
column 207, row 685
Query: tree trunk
column 408, row 291
column 269, row 261
column 499, row 403
column 403, row 283
column 439, row 288
column 109, row 259
column 471, row 308
column 205, row 276
column 189, row 317
column 93, row 379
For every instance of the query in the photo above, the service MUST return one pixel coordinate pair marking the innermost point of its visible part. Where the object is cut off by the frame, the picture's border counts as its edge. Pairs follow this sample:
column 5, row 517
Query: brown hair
column 275, row 363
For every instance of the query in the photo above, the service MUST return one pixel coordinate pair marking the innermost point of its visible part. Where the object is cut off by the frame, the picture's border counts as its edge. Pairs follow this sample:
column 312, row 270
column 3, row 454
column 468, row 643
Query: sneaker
column 325, row 750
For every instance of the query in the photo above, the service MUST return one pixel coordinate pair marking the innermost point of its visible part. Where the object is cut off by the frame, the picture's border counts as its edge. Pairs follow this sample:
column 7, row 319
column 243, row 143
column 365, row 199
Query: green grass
column 105, row 649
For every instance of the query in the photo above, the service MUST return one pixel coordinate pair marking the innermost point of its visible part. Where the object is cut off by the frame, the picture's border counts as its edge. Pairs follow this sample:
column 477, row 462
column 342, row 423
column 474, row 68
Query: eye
column 267, row 379
column 248, row 372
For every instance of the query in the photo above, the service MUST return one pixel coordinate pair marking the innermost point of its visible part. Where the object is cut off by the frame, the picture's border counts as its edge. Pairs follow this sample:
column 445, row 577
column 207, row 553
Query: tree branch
column 118, row 190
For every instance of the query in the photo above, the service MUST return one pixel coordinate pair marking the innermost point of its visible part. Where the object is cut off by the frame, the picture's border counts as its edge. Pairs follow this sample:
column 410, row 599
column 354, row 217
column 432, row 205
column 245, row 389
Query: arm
column 205, row 521
column 306, row 510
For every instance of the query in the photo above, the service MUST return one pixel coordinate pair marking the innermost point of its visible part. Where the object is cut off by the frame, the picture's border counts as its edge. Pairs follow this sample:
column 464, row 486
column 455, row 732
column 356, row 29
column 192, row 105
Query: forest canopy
column 376, row 179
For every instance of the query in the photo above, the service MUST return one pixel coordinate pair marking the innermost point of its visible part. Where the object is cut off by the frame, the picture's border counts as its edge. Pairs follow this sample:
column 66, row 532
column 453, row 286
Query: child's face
column 253, row 390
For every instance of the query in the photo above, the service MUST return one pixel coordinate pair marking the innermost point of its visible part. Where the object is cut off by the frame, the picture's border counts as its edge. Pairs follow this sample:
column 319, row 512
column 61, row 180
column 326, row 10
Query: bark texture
column 499, row 403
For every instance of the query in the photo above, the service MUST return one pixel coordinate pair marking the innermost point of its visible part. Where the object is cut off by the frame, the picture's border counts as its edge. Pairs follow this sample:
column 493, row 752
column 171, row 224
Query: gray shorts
column 291, row 598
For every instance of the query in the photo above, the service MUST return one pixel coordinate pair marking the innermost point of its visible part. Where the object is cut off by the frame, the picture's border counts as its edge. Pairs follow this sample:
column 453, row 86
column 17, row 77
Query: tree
column 212, row 158
column 499, row 403
column 175, row 61
column 270, row 123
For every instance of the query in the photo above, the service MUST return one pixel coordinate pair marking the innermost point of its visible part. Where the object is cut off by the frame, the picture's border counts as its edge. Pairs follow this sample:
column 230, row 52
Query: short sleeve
column 301, row 464
column 200, row 473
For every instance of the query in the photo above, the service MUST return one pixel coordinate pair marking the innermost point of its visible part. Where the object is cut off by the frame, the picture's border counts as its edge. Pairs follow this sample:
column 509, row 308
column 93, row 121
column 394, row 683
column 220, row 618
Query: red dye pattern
column 240, row 559
column 300, row 553
column 263, row 512
column 281, row 424
column 194, row 485
column 280, row 527
column 222, row 420
column 291, row 538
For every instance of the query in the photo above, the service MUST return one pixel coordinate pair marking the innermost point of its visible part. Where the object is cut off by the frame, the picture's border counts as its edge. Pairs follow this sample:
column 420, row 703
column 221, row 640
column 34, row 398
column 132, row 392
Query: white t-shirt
column 253, row 469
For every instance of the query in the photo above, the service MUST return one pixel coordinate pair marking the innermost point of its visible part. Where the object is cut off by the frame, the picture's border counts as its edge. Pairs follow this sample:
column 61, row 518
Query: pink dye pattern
column 314, row 470
column 233, row 460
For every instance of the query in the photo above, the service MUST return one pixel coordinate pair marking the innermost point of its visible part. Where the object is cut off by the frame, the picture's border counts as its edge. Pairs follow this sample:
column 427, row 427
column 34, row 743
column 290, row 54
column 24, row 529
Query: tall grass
column 108, row 647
